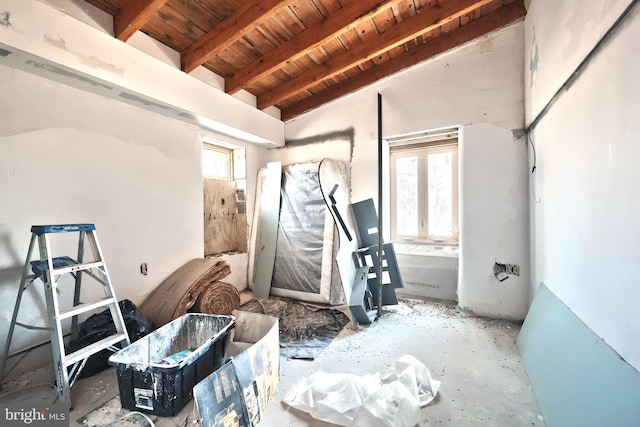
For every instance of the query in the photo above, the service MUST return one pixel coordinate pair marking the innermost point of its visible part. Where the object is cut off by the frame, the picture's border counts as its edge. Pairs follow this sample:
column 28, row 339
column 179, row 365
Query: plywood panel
column 224, row 228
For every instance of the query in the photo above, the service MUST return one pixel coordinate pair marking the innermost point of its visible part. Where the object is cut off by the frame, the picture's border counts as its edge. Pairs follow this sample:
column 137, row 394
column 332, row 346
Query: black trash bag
column 100, row 326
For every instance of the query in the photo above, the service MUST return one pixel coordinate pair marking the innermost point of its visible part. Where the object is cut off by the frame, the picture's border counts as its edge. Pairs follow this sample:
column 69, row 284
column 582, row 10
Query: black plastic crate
column 157, row 373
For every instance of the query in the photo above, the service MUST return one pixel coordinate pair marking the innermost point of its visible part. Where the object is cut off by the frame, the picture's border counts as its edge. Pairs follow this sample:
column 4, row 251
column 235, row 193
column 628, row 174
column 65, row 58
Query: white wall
column 493, row 221
column 478, row 86
column 585, row 229
column 87, row 136
column 70, row 156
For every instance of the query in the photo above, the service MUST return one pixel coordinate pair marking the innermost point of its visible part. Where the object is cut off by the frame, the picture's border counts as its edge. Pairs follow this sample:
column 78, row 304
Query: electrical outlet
column 500, row 271
column 144, row 269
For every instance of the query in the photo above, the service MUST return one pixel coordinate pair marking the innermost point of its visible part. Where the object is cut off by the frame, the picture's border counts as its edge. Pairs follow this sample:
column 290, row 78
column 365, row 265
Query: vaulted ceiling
column 299, row 54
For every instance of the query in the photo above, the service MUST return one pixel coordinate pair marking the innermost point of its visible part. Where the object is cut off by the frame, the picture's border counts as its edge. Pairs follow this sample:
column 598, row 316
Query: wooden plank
column 188, row 17
column 265, row 246
column 433, row 46
column 340, row 22
column 251, row 14
column 133, row 16
column 221, row 10
column 306, row 12
column 224, row 228
column 166, row 34
column 196, row 13
column 411, row 28
column 179, row 21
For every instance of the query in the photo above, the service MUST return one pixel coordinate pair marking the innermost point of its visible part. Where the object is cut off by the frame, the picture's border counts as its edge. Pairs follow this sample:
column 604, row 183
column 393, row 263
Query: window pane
column 215, row 164
column 440, row 203
column 406, row 195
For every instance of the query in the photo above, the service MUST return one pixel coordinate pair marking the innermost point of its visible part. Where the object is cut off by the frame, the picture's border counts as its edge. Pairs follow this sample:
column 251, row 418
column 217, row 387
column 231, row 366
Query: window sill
column 448, row 250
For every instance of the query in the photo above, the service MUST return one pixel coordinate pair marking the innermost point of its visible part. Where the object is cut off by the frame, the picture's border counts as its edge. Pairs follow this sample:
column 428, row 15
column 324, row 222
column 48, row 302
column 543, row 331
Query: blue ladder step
column 39, row 267
column 61, row 228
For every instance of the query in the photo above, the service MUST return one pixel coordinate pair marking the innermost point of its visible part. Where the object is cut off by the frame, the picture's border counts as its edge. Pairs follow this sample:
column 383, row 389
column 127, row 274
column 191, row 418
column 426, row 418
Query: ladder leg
column 78, row 285
column 23, row 285
column 57, row 340
column 116, row 314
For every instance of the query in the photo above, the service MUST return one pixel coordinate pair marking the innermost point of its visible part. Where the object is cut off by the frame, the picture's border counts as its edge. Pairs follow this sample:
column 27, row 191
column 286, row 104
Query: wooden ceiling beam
column 133, row 15
column 338, row 23
column 429, row 49
column 425, row 21
column 245, row 19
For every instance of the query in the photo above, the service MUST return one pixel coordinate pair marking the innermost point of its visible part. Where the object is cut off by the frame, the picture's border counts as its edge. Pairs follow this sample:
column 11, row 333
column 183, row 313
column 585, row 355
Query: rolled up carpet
column 180, row 291
column 219, row 298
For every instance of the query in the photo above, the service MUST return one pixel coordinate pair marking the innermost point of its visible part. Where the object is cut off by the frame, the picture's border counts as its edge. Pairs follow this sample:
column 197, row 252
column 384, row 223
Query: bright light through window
column 424, row 190
column 440, row 200
column 406, row 190
column 216, row 162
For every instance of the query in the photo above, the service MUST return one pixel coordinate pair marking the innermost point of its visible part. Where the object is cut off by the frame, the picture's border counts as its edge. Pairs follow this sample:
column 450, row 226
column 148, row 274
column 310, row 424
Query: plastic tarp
column 299, row 247
column 392, row 398
column 304, row 254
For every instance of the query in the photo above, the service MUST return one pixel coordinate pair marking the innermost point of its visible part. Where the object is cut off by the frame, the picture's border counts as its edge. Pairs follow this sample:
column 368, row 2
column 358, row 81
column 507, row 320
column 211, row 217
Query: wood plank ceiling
column 300, row 54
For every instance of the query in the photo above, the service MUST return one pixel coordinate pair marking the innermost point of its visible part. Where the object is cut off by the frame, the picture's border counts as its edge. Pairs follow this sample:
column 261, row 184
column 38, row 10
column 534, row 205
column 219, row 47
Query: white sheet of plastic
column 392, row 398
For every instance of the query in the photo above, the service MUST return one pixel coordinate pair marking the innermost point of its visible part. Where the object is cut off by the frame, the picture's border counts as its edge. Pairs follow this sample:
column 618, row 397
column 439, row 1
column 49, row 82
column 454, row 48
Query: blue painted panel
column 577, row 378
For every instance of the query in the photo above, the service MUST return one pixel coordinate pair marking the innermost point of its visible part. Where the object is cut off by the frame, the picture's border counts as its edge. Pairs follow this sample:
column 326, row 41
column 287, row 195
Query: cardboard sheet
column 238, row 393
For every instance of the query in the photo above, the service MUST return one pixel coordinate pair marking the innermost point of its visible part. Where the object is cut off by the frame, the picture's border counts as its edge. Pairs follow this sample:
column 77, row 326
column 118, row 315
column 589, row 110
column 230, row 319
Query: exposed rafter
column 342, row 21
column 133, row 16
column 423, row 22
column 245, row 19
column 299, row 54
column 429, row 49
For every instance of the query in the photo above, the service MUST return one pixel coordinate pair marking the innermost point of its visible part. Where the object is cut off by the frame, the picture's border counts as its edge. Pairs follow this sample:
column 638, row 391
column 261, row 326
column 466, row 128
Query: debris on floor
column 305, row 330
column 392, row 398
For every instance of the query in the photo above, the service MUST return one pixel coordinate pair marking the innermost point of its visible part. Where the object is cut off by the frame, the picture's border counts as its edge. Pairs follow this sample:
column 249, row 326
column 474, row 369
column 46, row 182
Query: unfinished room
column 363, row 213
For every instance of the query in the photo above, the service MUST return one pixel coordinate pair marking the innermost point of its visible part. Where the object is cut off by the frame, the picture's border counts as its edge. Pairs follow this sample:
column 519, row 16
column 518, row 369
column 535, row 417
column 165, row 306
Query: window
column 424, row 187
column 217, row 162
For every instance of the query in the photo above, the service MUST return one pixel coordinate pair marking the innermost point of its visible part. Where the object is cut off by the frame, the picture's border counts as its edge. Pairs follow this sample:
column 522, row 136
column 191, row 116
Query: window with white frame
column 424, row 186
column 217, row 162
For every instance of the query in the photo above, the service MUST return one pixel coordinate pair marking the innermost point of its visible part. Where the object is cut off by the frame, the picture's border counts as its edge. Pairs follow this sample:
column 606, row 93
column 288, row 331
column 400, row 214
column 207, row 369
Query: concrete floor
column 483, row 379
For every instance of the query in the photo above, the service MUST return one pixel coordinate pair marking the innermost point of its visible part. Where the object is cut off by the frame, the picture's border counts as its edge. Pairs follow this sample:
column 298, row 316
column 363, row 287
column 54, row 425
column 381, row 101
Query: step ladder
column 51, row 270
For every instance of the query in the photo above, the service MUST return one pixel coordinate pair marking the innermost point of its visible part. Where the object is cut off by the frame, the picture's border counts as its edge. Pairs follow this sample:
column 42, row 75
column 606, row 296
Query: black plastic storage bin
column 157, row 373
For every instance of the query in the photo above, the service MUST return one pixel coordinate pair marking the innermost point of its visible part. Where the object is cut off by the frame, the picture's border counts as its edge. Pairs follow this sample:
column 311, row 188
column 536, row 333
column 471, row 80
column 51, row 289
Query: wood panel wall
column 224, row 228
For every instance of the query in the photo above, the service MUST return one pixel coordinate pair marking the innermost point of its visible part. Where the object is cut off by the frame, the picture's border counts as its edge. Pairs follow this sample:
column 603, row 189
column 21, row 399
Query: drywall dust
column 136, row 99
column 59, row 43
column 5, row 19
column 62, row 72
column 533, row 61
column 95, row 62
column 485, row 46
column 91, row 61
